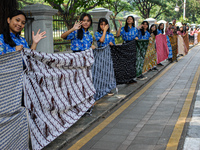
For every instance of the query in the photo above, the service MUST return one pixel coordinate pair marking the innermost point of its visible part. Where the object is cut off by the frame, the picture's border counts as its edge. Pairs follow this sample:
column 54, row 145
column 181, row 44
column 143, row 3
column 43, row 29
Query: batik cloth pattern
column 58, row 91
column 186, row 41
column 102, row 72
column 191, row 39
column 124, row 62
column 161, row 48
column 198, row 37
column 169, row 47
column 181, row 46
column 150, row 59
column 195, row 38
column 141, row 47
column 13, row 120
column 173, row 41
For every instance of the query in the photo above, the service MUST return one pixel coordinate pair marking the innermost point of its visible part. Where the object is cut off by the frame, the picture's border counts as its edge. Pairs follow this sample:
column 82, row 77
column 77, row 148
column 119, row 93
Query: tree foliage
column 152, row 8
column 116, row 7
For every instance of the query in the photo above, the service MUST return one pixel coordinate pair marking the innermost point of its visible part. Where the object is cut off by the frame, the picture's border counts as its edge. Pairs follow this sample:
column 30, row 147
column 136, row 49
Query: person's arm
column 104, row 34
column 119, row 30
column 76, row 26
column 36, row 38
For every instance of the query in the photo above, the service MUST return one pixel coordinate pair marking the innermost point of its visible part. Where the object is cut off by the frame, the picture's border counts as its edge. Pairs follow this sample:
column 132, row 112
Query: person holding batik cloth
column 103, row 35
column 143, row 32
column 129, row 32
column 80, row 37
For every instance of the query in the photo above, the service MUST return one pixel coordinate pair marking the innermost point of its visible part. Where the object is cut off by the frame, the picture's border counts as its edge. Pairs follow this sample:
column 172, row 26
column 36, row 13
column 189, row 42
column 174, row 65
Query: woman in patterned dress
column 129, row 32
column 103, row 35
column 80, row 37
column 143, row 32
column 11, row 40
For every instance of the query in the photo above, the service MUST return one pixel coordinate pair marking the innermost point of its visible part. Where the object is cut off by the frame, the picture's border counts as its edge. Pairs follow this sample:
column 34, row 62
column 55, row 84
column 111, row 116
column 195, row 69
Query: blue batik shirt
column 159, row 31
column 130, row 35
column 143, row 37
column 108, row 38
column 6, row 48
column 80, row 45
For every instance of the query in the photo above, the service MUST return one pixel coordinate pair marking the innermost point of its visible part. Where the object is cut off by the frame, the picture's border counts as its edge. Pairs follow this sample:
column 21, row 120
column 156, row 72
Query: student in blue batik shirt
column 80, row 37
column 103, row 35
column 11, row 40
column 143, row 32
column 129, row 32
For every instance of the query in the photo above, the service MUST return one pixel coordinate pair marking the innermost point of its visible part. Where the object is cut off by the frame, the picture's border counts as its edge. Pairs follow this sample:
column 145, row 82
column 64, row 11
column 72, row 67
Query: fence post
column 40, row 18
column 98, row 13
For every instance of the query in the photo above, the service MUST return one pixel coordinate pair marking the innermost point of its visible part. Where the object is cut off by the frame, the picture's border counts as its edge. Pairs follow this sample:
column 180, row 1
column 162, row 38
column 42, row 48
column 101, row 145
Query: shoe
column 154, row 69
column 160, row 64
column 132, row 81
column 110, row 94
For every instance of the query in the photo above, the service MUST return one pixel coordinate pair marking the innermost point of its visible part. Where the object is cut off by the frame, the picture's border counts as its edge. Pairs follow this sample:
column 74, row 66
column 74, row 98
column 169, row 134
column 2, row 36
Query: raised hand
column 106, row 27
column 77, row 25
column 36, row 38
column 120, row 23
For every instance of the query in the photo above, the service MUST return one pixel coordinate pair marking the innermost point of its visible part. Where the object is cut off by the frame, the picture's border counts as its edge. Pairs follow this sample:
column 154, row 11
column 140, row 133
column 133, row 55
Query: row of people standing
column 81, row 39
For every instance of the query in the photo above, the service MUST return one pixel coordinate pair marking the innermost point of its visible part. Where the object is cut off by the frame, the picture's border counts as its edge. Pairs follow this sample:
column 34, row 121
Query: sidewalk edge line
column 179, row 126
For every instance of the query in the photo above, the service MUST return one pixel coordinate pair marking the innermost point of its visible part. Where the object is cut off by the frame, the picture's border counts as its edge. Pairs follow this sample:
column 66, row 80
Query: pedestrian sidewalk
column 103, row 106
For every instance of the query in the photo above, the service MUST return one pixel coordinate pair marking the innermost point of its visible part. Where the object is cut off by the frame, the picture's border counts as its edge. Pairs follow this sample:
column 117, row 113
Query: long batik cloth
column 195, row 38
column 198, row 37
column 124, row 62
column 181, row 46
column 186, row 41
column 141, row 46
column 173, row 41
column 191, row 39
column 150, row 59
column 169, row 47
column 13, row 120
column 102, row 72
column 161, row 48
column 58, row 91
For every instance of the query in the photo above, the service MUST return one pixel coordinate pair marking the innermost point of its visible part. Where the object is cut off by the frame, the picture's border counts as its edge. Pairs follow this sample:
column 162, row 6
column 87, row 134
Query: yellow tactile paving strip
column 176, row 134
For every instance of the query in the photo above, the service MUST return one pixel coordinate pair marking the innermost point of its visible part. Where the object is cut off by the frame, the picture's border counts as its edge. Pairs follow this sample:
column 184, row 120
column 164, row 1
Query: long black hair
column 80, row 31
column 142, row 29
column 6, row 31
column 100, row 21
column 154, row 32
column 162, row 30
column 182, row 30
column 7, row 6
column 126, row 25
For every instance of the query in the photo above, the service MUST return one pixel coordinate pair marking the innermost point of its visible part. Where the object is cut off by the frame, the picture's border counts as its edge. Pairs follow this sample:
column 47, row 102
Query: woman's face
column 86, row 22
column 17, row 23
column 181, row 28
column 102, row 25
column 130, row 20
column 145, row 26
column 153, row 28
column 162, row 26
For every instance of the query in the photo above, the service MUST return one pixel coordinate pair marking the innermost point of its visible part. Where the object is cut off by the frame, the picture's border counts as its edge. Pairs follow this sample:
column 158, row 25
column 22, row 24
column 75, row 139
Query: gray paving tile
column 105, row 145
column 145, row 140
column 113, row 138
column 167, row 131
column 159, row 147
column 117, row 131
column 151, row 130
column 140, row 147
